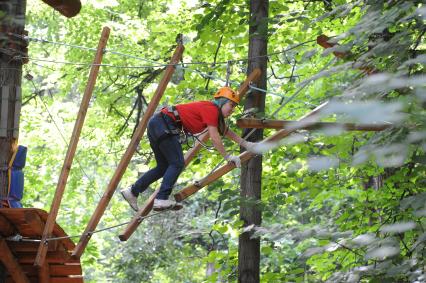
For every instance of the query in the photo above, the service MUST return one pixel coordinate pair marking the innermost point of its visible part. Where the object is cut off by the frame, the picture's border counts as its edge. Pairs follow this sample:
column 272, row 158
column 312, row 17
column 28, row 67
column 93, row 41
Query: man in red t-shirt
column 163, row 134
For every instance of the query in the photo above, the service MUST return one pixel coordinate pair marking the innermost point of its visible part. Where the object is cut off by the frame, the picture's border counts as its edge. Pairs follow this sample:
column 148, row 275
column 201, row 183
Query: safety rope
column 28, row 38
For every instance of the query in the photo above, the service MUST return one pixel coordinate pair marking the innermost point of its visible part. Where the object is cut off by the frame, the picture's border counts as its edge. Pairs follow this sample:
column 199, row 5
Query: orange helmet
column 228, row 93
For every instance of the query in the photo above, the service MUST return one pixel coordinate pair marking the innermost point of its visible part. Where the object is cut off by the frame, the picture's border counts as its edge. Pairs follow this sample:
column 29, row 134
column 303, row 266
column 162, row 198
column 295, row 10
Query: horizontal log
column 65, row 270
column 66, row 280
column 23, row 247
column 299, row 125
column 52, row 257
column 143, row 211
column 68, row 8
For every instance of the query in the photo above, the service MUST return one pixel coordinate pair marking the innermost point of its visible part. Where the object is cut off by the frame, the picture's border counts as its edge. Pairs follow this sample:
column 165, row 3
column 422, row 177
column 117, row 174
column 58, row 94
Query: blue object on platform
column 17, row 176
column 20, row 157
column 17, row 185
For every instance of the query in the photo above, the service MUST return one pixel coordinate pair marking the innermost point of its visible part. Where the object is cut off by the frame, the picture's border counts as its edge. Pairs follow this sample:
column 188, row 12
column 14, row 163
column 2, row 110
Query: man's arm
column 217, row 140
column 233, row 136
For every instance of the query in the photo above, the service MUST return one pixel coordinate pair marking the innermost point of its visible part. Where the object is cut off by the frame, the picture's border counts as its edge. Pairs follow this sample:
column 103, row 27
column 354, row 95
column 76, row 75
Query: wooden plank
column 143, row 211
column 51, row 257
column 6, row 228
column 245, row 156
column 285, row 124
column 242, row 90
column 253, row 77
column 66, row 280
column 12, row 266
column 94, row 70
column 124, row 162
column 65, row 270
column 30, row 246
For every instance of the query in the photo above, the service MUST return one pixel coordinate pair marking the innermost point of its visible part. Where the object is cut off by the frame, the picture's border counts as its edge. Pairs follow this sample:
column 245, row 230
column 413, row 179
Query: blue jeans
column 168, row 154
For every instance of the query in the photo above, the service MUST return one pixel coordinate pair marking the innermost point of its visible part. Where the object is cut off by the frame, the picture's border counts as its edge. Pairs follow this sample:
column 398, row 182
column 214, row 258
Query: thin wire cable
column 28, row 38
column 141, row 218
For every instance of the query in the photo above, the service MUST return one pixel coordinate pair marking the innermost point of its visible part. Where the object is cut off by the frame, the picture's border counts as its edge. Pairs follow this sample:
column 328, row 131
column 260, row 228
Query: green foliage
column 337, row 206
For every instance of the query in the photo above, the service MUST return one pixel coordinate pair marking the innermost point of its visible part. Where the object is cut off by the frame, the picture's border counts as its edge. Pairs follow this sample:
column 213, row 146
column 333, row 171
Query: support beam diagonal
column 66, row 168
column 125, row 160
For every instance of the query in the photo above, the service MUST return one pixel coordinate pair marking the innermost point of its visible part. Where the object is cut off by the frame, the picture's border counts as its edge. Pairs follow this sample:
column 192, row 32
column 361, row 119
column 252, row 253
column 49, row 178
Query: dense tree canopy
column 337, row 206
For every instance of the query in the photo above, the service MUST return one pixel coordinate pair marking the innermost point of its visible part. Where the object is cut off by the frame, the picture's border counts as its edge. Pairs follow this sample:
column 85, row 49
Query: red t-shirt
column 196, row 116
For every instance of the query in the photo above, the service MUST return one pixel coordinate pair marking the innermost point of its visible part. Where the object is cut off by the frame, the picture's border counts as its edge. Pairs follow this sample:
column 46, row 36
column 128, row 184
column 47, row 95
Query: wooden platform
column 18, row 256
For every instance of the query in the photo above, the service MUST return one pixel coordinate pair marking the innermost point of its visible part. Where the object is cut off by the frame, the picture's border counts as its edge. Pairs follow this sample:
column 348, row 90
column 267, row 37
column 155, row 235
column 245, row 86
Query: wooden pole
column 245, row 156
column 137, row 219
column 125, row 160
column 285, row 124
column 41, row 254
column 12, row 266
column 147, row 207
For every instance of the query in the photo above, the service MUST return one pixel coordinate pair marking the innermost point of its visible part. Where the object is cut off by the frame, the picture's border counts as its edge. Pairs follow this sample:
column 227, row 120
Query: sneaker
column 130, row 198
column 165, row 204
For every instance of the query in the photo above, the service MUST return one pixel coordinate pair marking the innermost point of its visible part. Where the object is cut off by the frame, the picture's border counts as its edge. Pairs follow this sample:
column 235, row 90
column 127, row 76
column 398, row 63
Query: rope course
column 182, row 65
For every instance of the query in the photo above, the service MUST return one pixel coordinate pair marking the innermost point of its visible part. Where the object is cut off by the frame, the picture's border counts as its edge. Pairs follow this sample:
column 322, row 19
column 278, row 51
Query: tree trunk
column 251, row 173
column 12, row 51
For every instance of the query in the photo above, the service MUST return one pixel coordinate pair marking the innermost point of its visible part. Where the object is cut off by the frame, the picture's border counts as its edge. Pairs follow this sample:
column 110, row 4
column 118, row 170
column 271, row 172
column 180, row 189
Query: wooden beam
column 242, row 90
column 147, row 207
column 33, row 220
column 66, row 280
column 41, row 254
column 285, row 124
column 12, row 266
column 68, row 8
column 30, row 247
column 56, row 257
column 124, row 162
column 143, row 211
column 65, row 270
column 6, row 228
column 245, row 156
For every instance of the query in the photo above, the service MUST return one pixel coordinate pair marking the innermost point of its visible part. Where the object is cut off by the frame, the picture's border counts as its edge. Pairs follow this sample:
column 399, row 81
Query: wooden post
column 147, row 207
column 284, row 124
column 41, row 254
column 12, row 266
column 124, row 162
column 245, row 156
column 144, row 211
column 242, row 90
